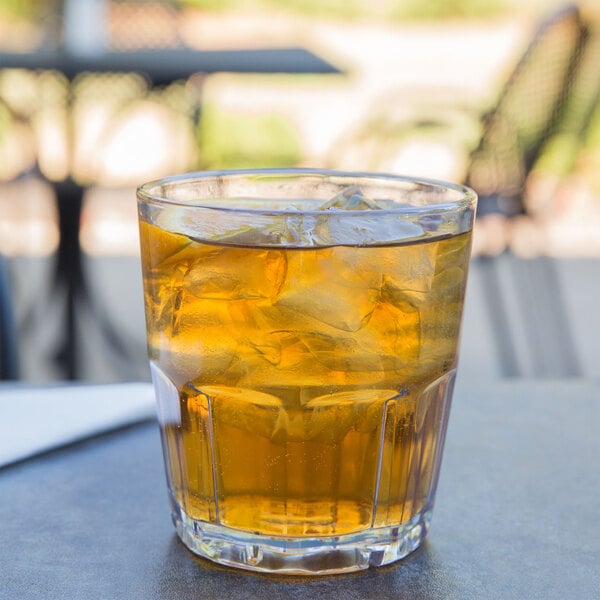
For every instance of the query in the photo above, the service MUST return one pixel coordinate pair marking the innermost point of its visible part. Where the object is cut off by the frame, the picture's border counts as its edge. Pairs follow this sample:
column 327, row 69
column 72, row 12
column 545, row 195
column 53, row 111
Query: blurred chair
column 527, row 113
column 554, row 87
column 553, row 90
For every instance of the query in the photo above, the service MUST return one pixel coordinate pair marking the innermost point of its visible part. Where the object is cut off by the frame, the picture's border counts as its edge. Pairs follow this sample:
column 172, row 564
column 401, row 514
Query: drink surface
column 308, row 384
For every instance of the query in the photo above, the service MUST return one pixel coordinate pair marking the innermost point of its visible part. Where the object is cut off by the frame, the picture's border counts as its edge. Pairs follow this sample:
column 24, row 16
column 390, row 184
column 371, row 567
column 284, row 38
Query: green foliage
column 444, row 9
column 230, row 140
column 592, row 137
column 401, row 9
column 212, row 5
column 589, row 159
column 30, row 9
column 5, row 119
column 332, row 8
column 560, row 154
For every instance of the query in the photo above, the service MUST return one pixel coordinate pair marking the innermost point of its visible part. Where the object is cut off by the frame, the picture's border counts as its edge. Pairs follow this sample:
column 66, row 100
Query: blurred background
column 409, row 88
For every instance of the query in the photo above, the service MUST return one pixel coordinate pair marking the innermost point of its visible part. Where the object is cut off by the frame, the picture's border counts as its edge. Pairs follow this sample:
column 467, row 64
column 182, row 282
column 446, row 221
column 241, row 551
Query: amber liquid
column 307, row 386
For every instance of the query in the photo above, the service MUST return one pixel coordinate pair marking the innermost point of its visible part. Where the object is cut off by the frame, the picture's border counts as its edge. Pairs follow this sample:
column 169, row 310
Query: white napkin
column 34, row 419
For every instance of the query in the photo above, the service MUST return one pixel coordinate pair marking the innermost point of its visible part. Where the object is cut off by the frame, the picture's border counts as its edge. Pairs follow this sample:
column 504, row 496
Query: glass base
column 301, row 556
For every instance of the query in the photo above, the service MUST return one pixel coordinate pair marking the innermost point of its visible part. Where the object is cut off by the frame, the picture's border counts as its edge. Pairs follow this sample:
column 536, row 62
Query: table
column 159, row 67
column 164, row 66
column 516, row 514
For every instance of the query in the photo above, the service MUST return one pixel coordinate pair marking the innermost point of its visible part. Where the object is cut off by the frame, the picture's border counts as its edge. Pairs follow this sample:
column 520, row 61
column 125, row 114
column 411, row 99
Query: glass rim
column 466, row 197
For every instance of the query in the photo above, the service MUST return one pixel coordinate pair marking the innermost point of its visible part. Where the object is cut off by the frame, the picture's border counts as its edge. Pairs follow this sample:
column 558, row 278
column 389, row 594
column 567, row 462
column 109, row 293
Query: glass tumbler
column 303, row 328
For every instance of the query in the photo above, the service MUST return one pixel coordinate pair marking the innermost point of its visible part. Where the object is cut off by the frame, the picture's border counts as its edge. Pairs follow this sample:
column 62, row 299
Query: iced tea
column 309, row 381
column 303, row 388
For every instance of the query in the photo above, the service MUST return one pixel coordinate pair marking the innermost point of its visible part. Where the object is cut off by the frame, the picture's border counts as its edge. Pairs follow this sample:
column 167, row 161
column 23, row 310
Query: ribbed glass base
column 301, row 556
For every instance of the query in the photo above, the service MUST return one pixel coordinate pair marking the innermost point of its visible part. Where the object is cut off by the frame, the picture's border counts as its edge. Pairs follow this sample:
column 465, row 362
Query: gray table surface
column 516, row 514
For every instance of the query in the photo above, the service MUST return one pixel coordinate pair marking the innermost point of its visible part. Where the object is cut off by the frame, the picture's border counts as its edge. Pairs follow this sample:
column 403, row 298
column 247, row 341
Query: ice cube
column 388, row 343
column 362, row 229
column 350, row 198
column 237, row 274
column 349, row 218
column 331, row 290
column 369, row 229
column 242, row 409
column 358, row 410
column 410, row 279
column 227, row 227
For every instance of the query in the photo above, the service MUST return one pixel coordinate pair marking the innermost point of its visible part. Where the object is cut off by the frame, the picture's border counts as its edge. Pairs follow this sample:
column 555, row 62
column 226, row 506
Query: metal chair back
column 527, row 113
